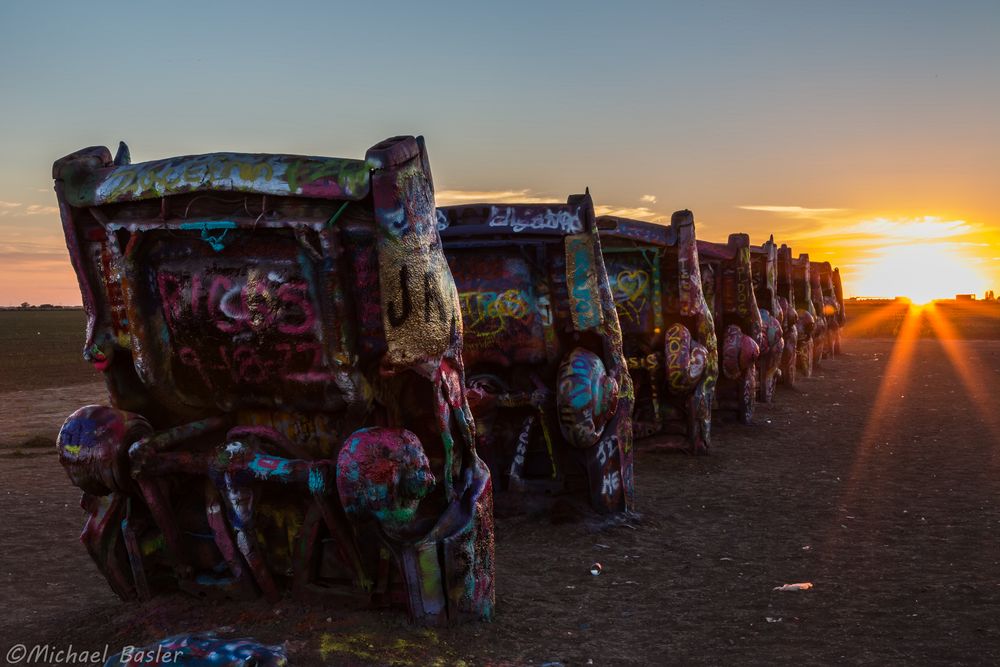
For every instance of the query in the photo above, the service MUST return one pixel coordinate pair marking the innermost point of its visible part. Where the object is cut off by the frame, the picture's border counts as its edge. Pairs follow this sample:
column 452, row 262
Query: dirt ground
column 32, row 417
column 892, row 513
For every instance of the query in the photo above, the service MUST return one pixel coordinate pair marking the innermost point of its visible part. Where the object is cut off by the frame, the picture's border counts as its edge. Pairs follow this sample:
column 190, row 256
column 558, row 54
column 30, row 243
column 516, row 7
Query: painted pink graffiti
column 248, row 364
column 236, row 305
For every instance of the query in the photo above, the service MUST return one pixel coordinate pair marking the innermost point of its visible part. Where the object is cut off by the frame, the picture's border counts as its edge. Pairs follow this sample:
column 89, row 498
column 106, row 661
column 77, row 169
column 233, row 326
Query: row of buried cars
column 319, row 381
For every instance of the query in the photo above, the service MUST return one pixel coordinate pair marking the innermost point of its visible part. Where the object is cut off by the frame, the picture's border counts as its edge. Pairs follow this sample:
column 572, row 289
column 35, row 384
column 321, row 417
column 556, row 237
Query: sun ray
column 955, row 349
column 893, row 384
column 877, row 316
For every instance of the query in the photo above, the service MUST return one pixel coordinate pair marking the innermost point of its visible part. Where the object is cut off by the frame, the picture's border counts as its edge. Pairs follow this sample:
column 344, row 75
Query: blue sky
column 819, row 115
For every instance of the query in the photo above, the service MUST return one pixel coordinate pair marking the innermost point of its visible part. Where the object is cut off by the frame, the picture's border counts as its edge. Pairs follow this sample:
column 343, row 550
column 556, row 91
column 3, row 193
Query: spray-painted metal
column 549, row 386
column 202, row 649
column 764, row 263
column 811, row 326
column 726, row 277
column 821, row 332
column 281, row 341
column 833, row 306
column 667, row 327
column 841, row 316
column 790, row 322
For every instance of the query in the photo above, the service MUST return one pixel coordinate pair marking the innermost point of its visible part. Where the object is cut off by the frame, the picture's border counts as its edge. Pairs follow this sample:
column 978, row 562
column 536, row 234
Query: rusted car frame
column 548, row 382
column 833, row 306
column 281, row 341
column 821, row 335
column 667, row 327
column 726, row 277
column 764, row 263
column 838, row 294
column 787, row 301
column 810, row 325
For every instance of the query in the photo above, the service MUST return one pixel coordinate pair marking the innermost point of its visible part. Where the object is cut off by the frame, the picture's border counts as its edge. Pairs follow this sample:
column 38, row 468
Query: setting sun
column 921, row 273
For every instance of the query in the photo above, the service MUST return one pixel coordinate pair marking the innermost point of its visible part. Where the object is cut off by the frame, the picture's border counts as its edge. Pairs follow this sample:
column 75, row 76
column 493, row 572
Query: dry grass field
column 43, row 348
column 878, row 481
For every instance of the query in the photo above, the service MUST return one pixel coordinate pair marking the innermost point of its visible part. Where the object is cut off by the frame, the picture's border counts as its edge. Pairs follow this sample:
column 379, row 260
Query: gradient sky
column 865, row 133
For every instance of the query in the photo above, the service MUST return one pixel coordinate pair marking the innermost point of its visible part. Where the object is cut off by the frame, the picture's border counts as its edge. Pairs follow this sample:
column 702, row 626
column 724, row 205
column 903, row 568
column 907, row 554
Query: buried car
column 838, row 295
column 726, row 277
column 764, row 266
column 548, row 384
column 281, row 341
column 667, row 326
column 824, row 309
column 811, row 326
column 833, row 305
column 821, row 338
column 786, row 300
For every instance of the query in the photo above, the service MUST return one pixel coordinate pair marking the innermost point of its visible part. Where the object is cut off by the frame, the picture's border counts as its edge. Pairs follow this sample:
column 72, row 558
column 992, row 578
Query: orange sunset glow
column 921, row 259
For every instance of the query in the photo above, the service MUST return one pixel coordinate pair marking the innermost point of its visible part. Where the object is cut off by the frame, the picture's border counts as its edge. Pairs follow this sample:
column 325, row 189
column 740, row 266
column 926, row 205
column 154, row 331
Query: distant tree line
column 43, row 306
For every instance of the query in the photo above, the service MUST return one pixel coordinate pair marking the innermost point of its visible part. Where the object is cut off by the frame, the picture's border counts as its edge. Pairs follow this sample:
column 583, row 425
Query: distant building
column 965, row 297
column 877, row 299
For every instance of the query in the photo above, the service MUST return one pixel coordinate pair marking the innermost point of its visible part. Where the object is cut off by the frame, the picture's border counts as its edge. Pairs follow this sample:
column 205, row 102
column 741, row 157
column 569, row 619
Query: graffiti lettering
column 744, row 282
column 606, row 449
column 435, row 307
column 517, row 466
column 560, row 220
column 251, row 303
column 612, row 482
column 488, row 313
column 246, row 364
column 397, row 318
column 689, row 283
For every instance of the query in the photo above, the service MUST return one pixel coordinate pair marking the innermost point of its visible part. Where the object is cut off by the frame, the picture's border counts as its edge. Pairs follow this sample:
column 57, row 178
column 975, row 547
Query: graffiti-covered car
column 810, row 325
column 764, row 266
column 548, row 384
column 726, row 277
column 821, row 341
column 833, row 305
column 281, row 342
column 790, row 321
column 667, row 327
column 838, row 295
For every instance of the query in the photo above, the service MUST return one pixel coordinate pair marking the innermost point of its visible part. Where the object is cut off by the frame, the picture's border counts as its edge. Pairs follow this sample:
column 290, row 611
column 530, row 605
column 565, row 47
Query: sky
column 864, row 133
